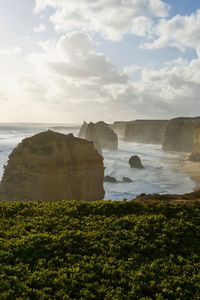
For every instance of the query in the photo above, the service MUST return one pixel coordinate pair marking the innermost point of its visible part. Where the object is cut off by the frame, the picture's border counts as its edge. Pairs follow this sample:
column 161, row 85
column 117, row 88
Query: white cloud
column 70, row 81
column 81, row 79
column 40, row 28
column 74, row 59
column 179, row 32
column 111, row 18
column 12, row 51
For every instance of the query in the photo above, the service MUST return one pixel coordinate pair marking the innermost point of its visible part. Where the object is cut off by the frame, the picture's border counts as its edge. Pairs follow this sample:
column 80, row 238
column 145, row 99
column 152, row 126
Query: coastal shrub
column 100, row 250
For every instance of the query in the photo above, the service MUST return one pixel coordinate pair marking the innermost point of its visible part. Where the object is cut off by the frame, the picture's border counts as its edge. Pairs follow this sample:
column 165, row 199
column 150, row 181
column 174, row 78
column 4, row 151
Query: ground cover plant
column 99, row 250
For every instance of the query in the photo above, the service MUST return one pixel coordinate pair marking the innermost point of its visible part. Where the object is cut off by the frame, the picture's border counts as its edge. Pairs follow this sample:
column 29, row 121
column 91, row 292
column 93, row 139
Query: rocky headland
column 145, row 131
column 195, row 155
column 179, row 134
column 119, row 127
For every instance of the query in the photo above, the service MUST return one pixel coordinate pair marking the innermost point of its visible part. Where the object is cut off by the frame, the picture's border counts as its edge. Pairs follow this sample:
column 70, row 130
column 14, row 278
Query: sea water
column 161, row 174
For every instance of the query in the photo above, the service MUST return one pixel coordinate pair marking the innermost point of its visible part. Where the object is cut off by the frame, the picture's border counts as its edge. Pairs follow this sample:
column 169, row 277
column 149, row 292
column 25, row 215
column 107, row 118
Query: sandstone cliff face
column 195, row 155
column 145, row 131
column 82, row 132
column 101, row 134
column 196, row 138
column 52, row 166
column 119, row 128
column 178, row 134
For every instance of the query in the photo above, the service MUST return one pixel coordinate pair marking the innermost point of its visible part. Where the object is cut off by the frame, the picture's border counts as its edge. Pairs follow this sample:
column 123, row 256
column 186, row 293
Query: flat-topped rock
column 119, row 127
column 195, row 155
column 145, row 131
column 52, row 166
column 178, row 134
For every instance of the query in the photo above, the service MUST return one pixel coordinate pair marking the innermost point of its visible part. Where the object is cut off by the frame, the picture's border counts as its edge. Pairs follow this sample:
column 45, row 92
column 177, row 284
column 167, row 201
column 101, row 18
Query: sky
column 64, row 61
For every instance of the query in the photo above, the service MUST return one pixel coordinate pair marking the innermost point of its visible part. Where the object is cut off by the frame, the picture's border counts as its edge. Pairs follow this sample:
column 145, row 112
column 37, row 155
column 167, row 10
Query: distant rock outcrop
column 52, row 166
column 195, row 155
column 110, row 179
column 119, row 127
column 100, row 134
column 135, row 162
column 83, row 130
column 145, row 131
column 178, row 134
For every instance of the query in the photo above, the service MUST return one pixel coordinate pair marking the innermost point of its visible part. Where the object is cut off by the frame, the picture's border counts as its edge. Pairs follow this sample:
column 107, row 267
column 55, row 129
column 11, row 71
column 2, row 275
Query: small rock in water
column 110, row 179
column 127, row 179
column 135, row 162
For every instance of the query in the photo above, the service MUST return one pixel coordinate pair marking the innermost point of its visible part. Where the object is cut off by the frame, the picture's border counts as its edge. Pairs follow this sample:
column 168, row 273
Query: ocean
column 162, row 173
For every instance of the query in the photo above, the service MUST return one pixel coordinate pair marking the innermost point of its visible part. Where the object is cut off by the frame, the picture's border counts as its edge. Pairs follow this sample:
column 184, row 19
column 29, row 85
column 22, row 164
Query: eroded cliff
column 119, row 127
column 195, row 155
column 52, row 166
column 178, row 134
column 145, row 131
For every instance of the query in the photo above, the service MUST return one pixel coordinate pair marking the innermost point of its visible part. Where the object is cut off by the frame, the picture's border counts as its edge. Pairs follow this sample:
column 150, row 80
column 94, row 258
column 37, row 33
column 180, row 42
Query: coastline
column 192, row 169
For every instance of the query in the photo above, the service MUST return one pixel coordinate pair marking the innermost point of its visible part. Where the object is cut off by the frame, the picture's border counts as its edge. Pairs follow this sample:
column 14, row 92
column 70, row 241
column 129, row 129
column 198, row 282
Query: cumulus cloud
column 12, row 51
column 40, row 28
column 72, row 74
column 75, row 65
column 71, row 81
column 179, row 32
column 111, row 18
column 169, row 91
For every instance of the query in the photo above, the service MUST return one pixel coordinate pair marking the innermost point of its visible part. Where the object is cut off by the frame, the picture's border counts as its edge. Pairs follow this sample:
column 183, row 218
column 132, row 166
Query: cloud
column 40, row 28
column 74, row 59
column 72, row 74
column 12, row 51
column 166, row 92
column 69, row 80
column 111, row 18
column 178, row 32
column 2, row 96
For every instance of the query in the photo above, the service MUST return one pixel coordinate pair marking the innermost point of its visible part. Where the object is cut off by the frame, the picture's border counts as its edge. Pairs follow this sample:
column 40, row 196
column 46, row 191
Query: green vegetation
column 104, row 250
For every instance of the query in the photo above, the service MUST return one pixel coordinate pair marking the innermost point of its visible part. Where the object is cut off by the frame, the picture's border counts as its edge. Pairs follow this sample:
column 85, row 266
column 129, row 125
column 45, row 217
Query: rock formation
column 82, row 132
column 101, row 134
column 145, row 131
column 110, row 179
column 178, row 134
column 127, row 179
column 52, row 166
column 119, row 128
column 135, row 162
column 195, row 155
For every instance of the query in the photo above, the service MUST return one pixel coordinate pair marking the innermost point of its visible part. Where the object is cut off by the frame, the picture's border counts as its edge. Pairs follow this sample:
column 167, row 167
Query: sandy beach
column 193, row 170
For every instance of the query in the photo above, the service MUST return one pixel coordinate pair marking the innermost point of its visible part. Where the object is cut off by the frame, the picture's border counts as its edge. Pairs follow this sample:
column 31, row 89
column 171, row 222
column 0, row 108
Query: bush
column 101, row 250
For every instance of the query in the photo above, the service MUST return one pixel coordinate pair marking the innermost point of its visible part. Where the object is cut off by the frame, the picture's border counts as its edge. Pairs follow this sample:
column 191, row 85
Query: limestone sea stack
column 145, row 131
column 83, row 130
column 51, row 166
column 178, row 134
column 101, row 134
